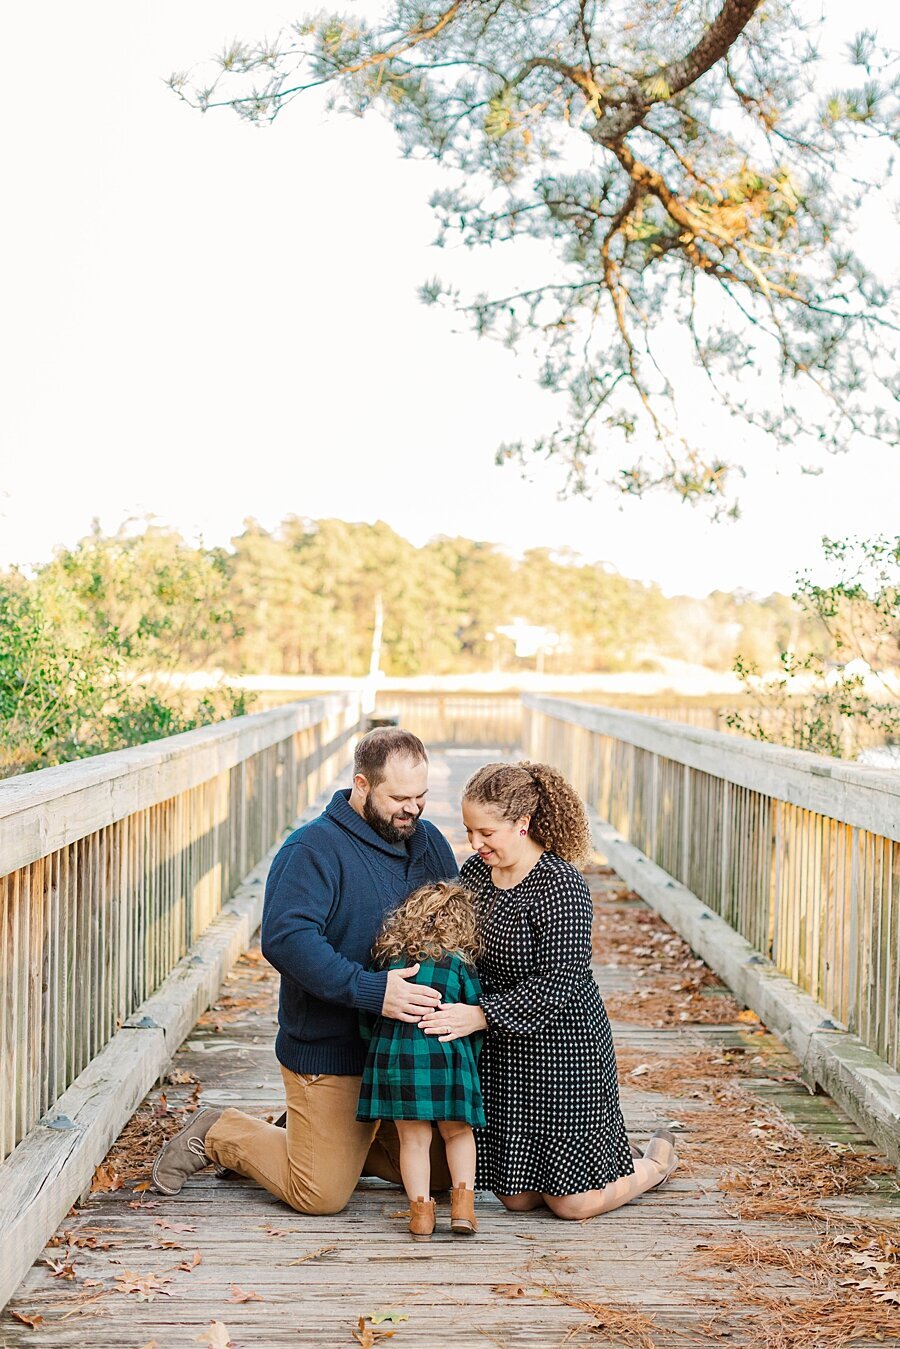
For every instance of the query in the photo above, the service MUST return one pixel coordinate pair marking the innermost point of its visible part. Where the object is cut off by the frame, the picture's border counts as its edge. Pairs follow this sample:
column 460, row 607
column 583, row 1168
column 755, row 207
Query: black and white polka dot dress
column 548, row 1067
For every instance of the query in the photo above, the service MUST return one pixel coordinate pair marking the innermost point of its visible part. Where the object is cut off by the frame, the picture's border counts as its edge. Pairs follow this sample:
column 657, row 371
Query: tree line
column 89, row 640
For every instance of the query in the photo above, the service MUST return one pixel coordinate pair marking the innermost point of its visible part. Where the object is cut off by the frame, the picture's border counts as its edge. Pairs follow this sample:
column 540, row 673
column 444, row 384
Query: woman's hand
column 453, row 1021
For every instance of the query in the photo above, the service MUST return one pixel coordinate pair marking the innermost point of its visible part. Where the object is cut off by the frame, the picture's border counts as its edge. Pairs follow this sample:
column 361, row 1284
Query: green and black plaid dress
column 411, row 1075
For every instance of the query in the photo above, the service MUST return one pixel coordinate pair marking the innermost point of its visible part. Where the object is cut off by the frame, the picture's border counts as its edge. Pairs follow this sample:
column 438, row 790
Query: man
column 327, row 893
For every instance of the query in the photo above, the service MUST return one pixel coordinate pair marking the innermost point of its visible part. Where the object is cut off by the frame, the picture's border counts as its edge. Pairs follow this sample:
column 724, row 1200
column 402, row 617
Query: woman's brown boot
column 421, row 1217
column 462, row 1211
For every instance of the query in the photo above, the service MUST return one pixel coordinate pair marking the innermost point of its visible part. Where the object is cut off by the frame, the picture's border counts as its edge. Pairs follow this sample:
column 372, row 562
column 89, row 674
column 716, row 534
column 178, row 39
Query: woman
column 555, row 1133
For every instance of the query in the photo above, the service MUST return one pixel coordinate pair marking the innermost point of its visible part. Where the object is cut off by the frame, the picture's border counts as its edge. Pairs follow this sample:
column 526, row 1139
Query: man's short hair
column 375, row 748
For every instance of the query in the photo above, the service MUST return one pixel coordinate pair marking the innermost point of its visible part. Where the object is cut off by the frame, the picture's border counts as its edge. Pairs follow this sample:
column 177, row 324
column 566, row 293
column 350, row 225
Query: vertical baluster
column 8, row 955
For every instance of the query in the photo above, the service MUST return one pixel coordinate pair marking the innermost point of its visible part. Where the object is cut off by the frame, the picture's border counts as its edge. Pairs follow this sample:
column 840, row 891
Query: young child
column 416, row 1079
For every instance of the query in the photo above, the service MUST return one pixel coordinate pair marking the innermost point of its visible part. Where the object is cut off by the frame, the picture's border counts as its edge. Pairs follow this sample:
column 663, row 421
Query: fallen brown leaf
column 368, row 1336
column 508, row 1289
column 216, row 1336
column 61, row 1269
column 89, row 1238
column 106, row 1178
column 253, row 956
column 175, row 1227
column 146, row 1286
column 189, row 1265
column 32, row 1319
column 239, row 1294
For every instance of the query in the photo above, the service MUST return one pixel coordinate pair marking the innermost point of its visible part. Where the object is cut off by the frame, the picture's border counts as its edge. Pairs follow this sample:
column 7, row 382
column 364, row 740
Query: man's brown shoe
column 184, row 1154
column 421, row 1217
column 462, row 1211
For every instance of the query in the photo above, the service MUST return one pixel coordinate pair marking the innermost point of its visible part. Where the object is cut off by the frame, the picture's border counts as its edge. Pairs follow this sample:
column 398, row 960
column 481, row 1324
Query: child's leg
column 415, row 1159
column 459, row 1142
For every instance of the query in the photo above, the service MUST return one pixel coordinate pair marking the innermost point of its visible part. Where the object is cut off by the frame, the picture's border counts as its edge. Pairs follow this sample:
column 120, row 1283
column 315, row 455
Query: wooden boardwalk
column 780, row 1229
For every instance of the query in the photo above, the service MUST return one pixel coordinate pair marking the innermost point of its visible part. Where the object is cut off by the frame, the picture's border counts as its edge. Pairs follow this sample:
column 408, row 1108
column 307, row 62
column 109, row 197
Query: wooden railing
column 111, row 867
column 464, row 718
column 800, row 854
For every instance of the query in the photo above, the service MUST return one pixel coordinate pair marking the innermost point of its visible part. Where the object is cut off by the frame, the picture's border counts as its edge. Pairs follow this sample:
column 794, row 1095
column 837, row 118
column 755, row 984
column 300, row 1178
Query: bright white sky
column 207, row 321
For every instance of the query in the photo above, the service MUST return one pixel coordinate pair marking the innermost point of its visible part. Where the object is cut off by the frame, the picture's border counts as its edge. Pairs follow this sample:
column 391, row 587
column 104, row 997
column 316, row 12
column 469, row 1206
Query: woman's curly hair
column 434, row 921
column 558, row 820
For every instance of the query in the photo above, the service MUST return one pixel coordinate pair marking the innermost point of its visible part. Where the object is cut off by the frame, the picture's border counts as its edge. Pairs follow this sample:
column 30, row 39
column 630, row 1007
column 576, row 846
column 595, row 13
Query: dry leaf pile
column 675, row 985
column 816, row 1322
column 252, row 968
column 610, row 1321
column 230, row 1008
column 852, row 1266
column 597, row 868
column 865, row 1261
column 130, row 1158
column 770, row 1168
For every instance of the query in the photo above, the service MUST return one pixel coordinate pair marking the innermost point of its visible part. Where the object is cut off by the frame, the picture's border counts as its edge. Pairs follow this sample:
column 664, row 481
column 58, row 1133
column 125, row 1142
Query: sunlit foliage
column 699, row 183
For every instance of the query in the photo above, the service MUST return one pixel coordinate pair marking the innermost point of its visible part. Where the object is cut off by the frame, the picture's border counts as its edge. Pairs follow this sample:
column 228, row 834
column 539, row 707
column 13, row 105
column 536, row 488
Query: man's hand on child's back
column 404, row 1001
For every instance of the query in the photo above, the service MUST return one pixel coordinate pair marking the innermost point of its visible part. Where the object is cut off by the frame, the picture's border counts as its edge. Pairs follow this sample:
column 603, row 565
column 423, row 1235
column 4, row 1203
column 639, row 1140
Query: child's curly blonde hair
column 434, row 921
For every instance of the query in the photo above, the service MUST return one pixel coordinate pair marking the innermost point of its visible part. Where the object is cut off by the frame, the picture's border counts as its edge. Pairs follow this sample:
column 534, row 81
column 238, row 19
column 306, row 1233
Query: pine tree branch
column 679, row 75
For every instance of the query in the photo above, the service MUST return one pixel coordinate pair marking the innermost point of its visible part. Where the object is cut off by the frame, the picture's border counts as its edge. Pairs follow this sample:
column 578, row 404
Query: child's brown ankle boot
column 462, row 1211
column 421, row 1217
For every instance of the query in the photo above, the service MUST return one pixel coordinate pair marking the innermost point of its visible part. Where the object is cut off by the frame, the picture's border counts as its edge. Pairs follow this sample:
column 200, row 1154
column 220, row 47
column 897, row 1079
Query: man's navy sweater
column 327, row 893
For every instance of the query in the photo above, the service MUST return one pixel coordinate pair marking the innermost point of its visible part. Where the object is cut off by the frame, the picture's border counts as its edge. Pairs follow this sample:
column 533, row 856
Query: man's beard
column 386, row 829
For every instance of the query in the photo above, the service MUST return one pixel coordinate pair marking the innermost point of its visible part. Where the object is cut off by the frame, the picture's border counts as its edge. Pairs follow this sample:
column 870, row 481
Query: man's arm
column 300, row 892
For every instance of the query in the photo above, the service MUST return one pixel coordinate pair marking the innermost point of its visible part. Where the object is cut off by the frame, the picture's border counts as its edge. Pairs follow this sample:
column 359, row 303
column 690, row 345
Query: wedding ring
column 448, row 1030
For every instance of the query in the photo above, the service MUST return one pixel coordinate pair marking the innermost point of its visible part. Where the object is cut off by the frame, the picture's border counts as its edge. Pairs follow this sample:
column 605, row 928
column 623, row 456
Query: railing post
column 853, row 936
column 654, row 809
column 726, row 845
column 686, row 813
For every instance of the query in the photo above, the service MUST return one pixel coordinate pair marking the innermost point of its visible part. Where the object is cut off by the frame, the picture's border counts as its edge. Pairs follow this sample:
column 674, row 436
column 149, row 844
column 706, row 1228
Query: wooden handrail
column 111, row 867
column 852, row 793
column 799, row 853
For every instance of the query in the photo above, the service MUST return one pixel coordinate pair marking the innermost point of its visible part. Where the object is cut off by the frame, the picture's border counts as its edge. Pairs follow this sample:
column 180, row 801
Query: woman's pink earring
column 523, row 831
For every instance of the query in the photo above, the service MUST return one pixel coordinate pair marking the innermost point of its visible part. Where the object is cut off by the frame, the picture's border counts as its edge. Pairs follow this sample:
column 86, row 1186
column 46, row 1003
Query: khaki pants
column 314, row 1164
